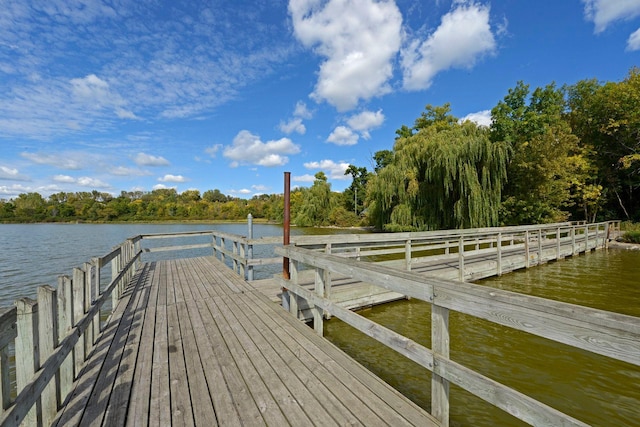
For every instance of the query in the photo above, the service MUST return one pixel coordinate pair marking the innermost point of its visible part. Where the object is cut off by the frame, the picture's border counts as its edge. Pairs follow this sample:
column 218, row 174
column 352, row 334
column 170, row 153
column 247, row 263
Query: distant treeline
column 551, row 154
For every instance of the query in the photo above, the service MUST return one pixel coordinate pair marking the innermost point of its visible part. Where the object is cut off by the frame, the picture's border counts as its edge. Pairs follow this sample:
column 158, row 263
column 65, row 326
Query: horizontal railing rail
column 597, row 331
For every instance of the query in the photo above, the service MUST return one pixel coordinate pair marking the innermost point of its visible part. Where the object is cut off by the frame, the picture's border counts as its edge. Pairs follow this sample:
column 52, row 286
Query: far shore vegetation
column 551, row 154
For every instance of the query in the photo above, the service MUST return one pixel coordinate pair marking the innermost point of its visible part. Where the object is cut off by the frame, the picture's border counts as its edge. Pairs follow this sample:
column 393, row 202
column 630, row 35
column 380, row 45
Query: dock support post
column 28, row 353
column 293, row 298
column 440, row 347
column 407, row 254
column 48, row 338
column 586, row 238
column 249, row 247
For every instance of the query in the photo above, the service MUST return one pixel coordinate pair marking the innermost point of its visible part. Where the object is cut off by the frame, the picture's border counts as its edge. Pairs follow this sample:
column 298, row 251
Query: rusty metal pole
column 287, row 222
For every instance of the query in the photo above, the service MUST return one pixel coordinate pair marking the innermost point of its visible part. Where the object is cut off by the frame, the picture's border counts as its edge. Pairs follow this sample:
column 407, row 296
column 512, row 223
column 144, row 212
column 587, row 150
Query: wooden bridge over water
column 191, row 342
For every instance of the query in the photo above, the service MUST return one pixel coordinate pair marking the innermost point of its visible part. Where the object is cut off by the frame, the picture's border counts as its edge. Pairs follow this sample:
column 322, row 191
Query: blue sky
column 134, row 95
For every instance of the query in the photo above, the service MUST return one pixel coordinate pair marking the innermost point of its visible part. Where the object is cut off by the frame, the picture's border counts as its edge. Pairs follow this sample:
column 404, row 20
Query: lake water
column 594, row 389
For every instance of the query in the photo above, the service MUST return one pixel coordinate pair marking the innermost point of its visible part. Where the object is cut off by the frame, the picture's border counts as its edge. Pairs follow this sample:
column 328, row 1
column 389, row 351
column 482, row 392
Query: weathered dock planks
column 191, row 343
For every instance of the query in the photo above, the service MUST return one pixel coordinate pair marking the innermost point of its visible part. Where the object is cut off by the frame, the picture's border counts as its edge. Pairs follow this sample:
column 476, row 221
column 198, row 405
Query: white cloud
column 83, row 181
column 302, row 111
column 343, row 135
column 125, row 171
column 633, row 43
column 64, row 179
column 293, row 125
column 482, row 118
column 143, row 159
column 247, row 148
column 12, row 174
column 69, row 161
column 163, row 187
column 213, row 150
column 366, row 121
column 303, row 178
column 332, row 169
column 358, row 38
column 464, row 36
column 604, row 12
column 94, row 93
column 172, row 178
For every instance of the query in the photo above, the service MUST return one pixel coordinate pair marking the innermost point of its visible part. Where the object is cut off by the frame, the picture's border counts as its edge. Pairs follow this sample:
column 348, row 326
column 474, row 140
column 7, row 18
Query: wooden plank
column 116, row 411
column 337, row 401
column 181, row 412
column 387, row 403
column 160, row 404
column 139, row 401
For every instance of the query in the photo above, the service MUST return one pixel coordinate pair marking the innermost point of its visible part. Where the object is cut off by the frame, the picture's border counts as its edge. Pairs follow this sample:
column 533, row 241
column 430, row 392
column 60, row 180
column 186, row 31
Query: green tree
column 444, row 174
column 606, row 117
column 355, row 194
column 548, row 169
column 317, row 203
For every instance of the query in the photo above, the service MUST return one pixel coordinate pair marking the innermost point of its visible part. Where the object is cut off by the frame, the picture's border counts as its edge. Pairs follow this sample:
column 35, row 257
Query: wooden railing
column 53, row 335
column 605, row 333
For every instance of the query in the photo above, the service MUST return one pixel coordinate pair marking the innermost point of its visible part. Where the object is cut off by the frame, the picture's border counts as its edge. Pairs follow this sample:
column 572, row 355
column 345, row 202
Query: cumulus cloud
column 172, row 178
column 83, row 181
column 604, row 12
column 342, row 135
column 464, row 36
column 332, row 169
column 143, row 159
column 366, row 121
column 359, row 40
column 482, row 118
column 247, row 148
column 293, row 125
column 303, row 178
column 213, row 150
column 633, row 43
column 302, row 111
column 12, row 174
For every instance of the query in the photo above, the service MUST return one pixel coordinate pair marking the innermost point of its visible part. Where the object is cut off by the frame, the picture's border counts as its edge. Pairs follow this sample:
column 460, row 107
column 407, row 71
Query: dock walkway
column 191, row 343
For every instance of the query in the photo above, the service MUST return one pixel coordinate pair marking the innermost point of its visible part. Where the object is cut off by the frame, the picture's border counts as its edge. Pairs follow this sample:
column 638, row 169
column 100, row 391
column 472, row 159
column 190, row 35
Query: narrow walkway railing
column 605, row 333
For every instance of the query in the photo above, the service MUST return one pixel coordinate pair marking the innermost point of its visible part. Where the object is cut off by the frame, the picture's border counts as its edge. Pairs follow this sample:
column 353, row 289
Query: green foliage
column 444, row 174
column 631, row 237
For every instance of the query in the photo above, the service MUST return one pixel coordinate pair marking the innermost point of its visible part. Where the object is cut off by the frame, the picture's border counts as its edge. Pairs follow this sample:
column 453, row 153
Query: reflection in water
column 592, row 388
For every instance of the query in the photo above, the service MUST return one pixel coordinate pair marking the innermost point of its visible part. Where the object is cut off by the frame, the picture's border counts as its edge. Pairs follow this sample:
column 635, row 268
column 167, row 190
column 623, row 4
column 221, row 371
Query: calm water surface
column 594, row 389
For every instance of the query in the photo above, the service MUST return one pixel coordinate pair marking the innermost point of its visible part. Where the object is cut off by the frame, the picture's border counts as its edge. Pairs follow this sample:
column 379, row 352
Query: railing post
column 250, row 246
column 586, row 238
column 234, row 261
column 461, row 259
column 222, row 247
column 48, row 336
column 407, row 254
column 317, row 311
column 65, row 323
column 540, row 258
column 526, row 249
column 88, row 299
column 28, row 353
column 573, row 240
column 78, row 312
column 558, row 255
column 9, row 333
column 95, row 262
column 115, row 269
column 440, row 347
column 499, row 256
column 293, row 298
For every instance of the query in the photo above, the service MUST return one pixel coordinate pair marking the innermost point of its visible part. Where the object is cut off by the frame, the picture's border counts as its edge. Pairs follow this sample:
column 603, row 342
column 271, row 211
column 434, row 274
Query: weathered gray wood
column 8, row 334
column 440, row 347
column 65, row 324
column 27, row 355
column 5, row 379
column 48, row 340
column 78, row 285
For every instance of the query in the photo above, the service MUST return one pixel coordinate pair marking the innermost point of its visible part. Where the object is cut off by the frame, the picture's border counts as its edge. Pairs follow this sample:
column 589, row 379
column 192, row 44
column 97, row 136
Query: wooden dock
column 191, row 343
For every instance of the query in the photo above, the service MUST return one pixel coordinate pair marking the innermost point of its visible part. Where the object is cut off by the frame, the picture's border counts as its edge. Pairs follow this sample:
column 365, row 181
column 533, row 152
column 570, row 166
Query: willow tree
column 443, row 174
